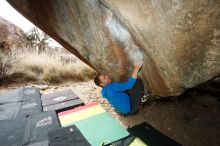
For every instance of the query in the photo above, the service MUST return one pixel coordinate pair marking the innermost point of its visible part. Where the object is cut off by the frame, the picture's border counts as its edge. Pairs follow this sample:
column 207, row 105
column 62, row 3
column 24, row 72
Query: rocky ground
column 192, row 119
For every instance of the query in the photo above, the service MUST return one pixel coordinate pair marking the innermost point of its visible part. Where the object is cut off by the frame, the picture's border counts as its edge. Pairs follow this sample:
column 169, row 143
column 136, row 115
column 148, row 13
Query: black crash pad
column 14, row 95
column 67, row 136
column 20, row 94
column 39, row 125
column 64, row 105
column 41, row 143
column 12, row 132
column 9, row 110
column 58, row 97
column 151, row 136
column 126, row 141
column 30, row 107
column 31, row 94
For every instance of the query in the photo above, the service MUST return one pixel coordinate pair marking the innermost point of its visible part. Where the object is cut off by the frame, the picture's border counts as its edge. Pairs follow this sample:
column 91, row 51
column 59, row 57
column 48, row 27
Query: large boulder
column 178, row 40
column 9, row 36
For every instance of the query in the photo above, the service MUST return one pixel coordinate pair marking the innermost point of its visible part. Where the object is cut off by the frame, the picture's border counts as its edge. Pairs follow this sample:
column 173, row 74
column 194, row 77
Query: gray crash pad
column 38, row 126
column 9, row 110
column 12, row 132
column 58, row 97
column 20, row 94
column 64, row 105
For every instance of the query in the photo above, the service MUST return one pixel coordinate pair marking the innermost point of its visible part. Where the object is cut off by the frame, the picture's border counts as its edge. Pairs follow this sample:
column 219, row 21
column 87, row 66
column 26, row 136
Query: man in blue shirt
column 117, row 92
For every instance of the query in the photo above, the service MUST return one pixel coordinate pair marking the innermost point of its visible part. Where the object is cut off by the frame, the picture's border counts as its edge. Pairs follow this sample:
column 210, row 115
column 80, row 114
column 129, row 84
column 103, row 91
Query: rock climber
column 125, row 97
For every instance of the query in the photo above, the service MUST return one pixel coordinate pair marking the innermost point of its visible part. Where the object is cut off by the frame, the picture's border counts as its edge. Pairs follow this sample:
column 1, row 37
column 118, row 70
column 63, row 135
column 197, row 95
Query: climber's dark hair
column 97, row 80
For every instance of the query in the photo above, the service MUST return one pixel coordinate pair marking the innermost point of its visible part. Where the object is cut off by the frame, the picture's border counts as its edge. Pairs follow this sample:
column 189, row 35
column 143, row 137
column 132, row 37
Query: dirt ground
column 193, row 119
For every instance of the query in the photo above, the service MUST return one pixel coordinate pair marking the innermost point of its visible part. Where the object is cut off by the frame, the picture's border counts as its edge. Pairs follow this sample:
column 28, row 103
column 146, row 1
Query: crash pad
column 101, row 128
column 12, row 132
column 38, row 126
column 29, row 108
column 9, row 110
column 151, row 136
column 73, row 115
column 31, row 94
column 14, row 95
column 64, row 105
column 68, row 136
column 58, row 97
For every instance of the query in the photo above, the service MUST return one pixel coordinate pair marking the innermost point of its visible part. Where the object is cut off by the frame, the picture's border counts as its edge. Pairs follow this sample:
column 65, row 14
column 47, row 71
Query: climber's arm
column 123, row 86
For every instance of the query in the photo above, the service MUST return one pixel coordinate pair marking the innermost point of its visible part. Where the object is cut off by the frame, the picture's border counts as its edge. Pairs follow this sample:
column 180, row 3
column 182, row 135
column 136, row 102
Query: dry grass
column 49, row 68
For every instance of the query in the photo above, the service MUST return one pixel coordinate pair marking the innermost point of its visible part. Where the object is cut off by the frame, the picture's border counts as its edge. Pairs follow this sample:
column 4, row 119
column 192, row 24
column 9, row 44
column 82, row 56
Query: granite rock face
column 179, row 41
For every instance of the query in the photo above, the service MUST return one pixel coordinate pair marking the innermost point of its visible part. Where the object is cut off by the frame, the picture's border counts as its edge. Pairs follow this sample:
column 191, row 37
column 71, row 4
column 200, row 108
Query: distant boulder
column 9, row 36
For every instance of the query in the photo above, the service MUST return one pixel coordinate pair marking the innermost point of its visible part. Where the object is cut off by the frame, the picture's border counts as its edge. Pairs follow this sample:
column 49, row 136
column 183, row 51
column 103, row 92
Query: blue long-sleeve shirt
column 116, row 95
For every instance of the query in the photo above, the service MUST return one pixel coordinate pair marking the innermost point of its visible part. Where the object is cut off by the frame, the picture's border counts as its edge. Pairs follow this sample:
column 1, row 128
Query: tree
column 35, row 39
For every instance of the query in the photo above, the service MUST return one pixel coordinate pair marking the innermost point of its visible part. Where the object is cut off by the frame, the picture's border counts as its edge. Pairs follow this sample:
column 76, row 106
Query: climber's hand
column 138, row 65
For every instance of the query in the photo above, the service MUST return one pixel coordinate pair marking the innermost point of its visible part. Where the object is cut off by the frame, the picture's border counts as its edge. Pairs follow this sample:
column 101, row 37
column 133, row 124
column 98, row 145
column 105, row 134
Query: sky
column 10, row 14
column 13, row 16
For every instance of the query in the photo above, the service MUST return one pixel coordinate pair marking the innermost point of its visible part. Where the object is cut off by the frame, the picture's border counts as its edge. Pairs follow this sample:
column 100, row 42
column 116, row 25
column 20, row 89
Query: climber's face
column 104, row 80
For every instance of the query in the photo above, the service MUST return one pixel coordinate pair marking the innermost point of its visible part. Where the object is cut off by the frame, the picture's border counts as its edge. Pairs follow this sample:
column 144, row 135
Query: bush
column 6, row 64
column 52, row 69
column 51, row 75
column 18, row 77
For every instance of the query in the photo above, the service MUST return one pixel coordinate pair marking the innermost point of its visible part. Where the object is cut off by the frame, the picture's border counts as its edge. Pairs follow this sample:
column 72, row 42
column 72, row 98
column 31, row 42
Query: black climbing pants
column 136, row 92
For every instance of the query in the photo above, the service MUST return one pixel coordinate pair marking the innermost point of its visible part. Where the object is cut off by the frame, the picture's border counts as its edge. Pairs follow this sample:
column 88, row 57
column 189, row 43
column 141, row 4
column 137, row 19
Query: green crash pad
column 100, row 129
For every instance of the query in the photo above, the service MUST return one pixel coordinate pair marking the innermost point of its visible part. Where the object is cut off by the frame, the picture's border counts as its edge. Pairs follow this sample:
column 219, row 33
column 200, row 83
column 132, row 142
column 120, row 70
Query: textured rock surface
column 178, row 40
column 8, row 35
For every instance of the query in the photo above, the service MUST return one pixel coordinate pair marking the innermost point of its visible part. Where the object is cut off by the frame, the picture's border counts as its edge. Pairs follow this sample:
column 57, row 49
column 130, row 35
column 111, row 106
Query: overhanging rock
column 178, row 40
